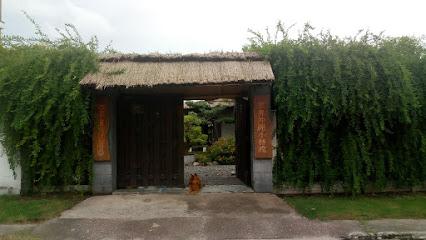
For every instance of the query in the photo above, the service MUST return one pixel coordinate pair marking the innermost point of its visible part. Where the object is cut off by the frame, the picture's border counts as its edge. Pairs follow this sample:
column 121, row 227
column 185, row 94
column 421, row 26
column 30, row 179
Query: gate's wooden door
column 150, row 141
column 242, row 140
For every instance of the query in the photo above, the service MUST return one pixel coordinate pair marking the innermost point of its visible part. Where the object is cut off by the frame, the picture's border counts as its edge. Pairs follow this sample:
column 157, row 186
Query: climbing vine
column 349, row 110
column 45, row 116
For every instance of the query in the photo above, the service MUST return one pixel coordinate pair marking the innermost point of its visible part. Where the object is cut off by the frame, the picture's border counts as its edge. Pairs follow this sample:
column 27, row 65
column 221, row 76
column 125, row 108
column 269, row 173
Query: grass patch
column 36, row 208
column 398, row 206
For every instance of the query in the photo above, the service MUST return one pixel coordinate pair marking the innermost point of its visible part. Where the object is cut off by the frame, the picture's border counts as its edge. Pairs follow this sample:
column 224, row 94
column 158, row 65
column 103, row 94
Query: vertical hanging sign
column 100, row 131
column 262, row 127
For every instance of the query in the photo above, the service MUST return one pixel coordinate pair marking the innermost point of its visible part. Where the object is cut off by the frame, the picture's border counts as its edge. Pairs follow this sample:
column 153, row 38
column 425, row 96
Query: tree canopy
column 210, row 112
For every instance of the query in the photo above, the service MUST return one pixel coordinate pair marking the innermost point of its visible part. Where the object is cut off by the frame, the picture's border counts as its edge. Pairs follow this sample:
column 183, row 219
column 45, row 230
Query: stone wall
column 338, row 188
column 8, row 184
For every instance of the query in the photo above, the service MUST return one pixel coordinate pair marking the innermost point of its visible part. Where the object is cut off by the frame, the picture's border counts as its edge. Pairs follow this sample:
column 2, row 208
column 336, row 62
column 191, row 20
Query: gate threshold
column 175, row 190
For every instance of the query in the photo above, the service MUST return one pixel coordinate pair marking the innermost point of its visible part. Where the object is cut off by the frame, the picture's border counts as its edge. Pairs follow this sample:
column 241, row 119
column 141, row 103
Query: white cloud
column 202, row 26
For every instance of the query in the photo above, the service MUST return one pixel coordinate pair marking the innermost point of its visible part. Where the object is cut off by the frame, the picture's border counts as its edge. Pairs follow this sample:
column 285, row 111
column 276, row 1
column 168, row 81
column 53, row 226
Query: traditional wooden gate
column 150, row 141
column 242, row 140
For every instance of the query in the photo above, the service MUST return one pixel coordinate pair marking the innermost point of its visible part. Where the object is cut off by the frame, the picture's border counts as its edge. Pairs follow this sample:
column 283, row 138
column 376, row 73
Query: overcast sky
column 203, row 26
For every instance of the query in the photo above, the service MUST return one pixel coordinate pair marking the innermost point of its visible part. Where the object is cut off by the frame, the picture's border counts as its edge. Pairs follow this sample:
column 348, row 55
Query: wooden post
column 262, row 126
column 101, row 129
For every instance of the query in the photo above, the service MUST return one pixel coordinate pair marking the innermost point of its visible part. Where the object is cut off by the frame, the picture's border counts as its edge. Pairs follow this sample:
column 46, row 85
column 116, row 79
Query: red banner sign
column 262, row 127
column 100, row 131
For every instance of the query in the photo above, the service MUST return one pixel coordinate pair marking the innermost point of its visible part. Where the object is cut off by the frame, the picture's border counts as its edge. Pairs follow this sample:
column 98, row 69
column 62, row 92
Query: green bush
column 223, row 151
column 202, row 158
column 45, row 116
column 349, row 110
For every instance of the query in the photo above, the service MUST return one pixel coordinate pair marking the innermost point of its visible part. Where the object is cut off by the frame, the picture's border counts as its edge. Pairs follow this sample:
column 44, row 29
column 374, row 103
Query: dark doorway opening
column 239, row 173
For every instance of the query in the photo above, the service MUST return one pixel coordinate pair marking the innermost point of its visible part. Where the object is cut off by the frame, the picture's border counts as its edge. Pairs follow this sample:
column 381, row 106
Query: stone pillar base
column 102, row 178
column 262, row 176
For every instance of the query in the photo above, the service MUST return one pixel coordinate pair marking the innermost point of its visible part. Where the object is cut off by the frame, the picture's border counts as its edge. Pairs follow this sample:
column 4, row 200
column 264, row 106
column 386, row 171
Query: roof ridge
column 206, row 57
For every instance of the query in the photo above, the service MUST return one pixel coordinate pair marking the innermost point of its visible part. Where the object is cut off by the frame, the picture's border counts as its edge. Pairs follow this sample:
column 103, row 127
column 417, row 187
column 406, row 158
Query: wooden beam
column 211, row 97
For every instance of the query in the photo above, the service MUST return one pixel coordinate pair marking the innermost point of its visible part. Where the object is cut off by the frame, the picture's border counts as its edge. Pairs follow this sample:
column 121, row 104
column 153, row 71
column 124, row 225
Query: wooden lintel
column 211, row 97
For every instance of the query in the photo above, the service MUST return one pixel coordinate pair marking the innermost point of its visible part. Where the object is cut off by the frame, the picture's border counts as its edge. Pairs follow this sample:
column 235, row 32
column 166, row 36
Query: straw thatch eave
column 156, row 57
column 136, row 70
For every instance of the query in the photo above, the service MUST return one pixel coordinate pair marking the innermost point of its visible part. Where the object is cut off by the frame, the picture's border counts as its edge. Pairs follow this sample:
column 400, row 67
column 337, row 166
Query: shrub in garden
column 223, row 151
column 202, row 158
column 192, row 130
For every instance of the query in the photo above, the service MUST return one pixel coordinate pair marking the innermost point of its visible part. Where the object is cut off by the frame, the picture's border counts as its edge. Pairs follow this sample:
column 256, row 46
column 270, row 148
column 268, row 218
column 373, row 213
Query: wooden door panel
column 242, row 140
column 149, row 151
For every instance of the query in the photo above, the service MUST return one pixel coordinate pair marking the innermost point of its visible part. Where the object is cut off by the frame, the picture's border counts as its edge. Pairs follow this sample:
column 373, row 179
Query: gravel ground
column 214, row 174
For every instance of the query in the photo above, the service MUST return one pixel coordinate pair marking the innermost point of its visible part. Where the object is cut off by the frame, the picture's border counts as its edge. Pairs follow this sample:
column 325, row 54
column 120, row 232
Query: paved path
column 416, row 228
column 166, row 190
column 11, row 228
column 214, row 174
column 205, row 216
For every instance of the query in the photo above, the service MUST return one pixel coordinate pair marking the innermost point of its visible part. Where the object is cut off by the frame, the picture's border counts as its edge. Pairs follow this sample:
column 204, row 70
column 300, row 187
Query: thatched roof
column 132, row 70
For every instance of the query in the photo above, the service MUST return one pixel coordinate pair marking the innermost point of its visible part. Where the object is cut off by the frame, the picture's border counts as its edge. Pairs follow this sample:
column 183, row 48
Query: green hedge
column 45, row 116
column 349, row 110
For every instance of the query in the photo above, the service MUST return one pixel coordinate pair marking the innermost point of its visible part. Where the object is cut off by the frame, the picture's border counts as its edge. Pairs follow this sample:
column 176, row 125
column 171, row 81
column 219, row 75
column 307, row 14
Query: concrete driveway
column 177, row 216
